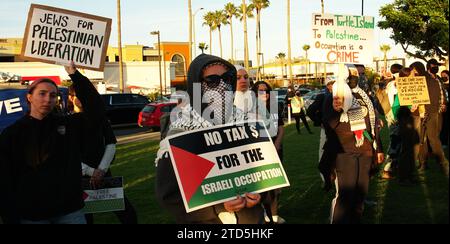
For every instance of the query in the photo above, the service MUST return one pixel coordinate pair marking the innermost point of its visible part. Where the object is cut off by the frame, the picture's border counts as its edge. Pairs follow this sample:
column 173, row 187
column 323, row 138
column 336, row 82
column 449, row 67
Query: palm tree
column 323, row 9
column 209, row 21
column 245, row 11
column 203, row 46
column 220, row 18
column 231, row 11
column 385, row 49
column 259, row 5
column 281, row 57
column 288, row 15
column 306, row 48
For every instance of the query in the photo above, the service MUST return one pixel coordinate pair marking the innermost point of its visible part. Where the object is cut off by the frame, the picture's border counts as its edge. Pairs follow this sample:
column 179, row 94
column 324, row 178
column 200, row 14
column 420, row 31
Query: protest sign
column 412, row 90
column 342, row 39
column 58, row 36
column 107, row 197
column 216, row 164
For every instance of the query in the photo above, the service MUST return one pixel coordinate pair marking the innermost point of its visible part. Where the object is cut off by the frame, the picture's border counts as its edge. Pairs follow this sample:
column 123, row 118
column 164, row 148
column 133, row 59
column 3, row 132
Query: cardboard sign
column 216, row 164
column 108, row 197
column 57, row 36
column 413, row 91
column 342, row 39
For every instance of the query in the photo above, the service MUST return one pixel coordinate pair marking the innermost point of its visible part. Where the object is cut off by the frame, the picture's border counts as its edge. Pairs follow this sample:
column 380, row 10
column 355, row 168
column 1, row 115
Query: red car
column 151, row 114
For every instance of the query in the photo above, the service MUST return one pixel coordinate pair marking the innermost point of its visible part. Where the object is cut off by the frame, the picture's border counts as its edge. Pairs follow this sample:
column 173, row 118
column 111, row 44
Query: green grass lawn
column 304, row 201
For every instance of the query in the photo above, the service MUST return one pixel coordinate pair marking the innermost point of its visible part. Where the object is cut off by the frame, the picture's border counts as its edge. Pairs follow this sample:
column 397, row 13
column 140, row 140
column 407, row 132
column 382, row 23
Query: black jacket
column 167, row 191
column 40, row 160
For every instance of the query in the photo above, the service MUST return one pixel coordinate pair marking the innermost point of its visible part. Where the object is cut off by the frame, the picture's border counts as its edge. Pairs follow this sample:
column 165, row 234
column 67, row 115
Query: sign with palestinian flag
column 216, row 164
column 108, row 197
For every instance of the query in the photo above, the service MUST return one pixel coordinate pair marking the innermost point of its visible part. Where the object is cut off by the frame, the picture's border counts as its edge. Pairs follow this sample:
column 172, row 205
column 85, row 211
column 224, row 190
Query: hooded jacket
column 167, row 190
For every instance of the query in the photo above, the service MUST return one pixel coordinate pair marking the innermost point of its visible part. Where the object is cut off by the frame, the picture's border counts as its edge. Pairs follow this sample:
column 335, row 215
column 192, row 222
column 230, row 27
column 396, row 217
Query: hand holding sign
column 71, row 68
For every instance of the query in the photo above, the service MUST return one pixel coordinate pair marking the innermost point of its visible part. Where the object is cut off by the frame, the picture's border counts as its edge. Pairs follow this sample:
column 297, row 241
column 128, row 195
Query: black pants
column 352, row 186
column 410, row 138
column 297, row 118
column 127, row 216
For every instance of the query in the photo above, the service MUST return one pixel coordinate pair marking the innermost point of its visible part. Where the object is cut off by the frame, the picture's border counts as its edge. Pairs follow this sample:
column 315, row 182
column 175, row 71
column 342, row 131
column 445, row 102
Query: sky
column 170, row 17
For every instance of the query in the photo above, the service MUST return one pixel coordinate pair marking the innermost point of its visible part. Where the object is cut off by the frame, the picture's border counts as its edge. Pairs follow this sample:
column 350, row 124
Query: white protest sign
column 225, row 161
column 57, row 36
column 107, row 197
column 342, row 39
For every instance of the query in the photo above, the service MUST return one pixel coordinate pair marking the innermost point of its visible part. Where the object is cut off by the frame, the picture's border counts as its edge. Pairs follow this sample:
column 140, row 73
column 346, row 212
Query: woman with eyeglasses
column 271, row 111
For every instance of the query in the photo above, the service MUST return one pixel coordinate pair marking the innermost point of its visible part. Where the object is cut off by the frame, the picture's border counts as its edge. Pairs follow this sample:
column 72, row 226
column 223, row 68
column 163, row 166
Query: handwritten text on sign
column 342, row 39
column 413, row 91
column 55, row 36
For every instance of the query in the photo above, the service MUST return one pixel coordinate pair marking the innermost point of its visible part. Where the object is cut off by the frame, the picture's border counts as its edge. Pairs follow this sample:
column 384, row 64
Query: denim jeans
column 72, row 218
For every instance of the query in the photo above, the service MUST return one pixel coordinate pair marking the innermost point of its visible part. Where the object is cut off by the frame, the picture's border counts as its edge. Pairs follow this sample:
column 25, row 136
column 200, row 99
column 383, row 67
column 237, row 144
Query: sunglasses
column 262, row 92
column 214, row 80
column 240, row 77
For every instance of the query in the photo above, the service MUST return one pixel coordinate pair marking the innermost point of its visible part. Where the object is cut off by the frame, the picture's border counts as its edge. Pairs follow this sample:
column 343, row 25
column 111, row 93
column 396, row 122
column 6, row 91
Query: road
column 134, row 134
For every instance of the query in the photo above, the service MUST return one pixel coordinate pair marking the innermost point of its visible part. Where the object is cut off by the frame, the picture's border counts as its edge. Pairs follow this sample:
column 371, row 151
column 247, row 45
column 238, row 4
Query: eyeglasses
column 214, row 80
column 240, row 77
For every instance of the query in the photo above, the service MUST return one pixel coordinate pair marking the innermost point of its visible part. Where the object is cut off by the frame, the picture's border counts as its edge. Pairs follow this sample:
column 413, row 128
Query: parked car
column 310, row 97
column 151, row 114
column 303, row 91
column 123, row 108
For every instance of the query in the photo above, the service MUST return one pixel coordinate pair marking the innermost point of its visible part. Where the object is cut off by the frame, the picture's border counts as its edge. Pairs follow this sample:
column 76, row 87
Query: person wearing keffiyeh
column 353, row 148
column 211, row 83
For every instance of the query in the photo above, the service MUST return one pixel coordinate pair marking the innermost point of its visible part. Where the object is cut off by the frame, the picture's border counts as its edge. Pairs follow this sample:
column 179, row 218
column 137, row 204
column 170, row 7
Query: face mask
column 353, row 82
column 445, row 79
column 434, row 70
column 219, row 97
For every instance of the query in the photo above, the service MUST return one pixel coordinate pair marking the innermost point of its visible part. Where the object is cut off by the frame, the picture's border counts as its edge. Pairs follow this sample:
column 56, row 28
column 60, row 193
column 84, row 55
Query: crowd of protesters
column 45, row 154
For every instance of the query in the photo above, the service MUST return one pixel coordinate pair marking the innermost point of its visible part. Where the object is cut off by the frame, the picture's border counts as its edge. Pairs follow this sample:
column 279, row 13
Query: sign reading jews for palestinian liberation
column 342, row 39
column 58, row 36
column 412, row 91
column 107, row 197
column 216, row 164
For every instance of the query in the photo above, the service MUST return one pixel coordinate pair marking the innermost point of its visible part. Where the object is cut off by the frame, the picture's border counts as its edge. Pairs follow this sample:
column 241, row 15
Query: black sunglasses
column 214, row 80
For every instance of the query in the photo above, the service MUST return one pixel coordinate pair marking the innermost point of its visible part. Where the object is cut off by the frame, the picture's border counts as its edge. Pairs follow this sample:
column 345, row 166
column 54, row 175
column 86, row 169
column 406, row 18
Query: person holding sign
column 40, row 156
column 211, row 83
column 99, row 151
column 353, row 147
column 426, row 121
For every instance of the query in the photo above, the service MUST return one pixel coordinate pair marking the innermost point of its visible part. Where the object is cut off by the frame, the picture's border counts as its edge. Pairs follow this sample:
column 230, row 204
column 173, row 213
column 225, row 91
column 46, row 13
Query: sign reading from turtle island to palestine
column 57, row 36
column 216, row 164
column 412, row 90
column 107, row 197
column 342, row 39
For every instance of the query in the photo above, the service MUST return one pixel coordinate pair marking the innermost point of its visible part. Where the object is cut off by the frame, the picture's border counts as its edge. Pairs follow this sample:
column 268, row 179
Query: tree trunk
column 220, row 41
column 258, row 73
column 210, row 41
column 232, row 40
column 245, row 36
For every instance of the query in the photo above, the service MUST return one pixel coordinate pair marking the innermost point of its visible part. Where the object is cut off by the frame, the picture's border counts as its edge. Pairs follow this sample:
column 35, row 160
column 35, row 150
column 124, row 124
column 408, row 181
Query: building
column 136, row 58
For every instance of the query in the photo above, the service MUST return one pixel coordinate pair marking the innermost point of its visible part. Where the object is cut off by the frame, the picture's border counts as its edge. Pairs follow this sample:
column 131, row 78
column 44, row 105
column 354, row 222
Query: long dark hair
column 269, row 89
column 419, row 67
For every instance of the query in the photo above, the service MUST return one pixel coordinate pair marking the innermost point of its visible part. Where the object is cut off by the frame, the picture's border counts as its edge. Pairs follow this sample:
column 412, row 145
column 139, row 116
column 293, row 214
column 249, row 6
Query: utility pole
column 362, row 8
column 159, row 58
column 190, row 30
column 193, row 31
column 119, row 30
